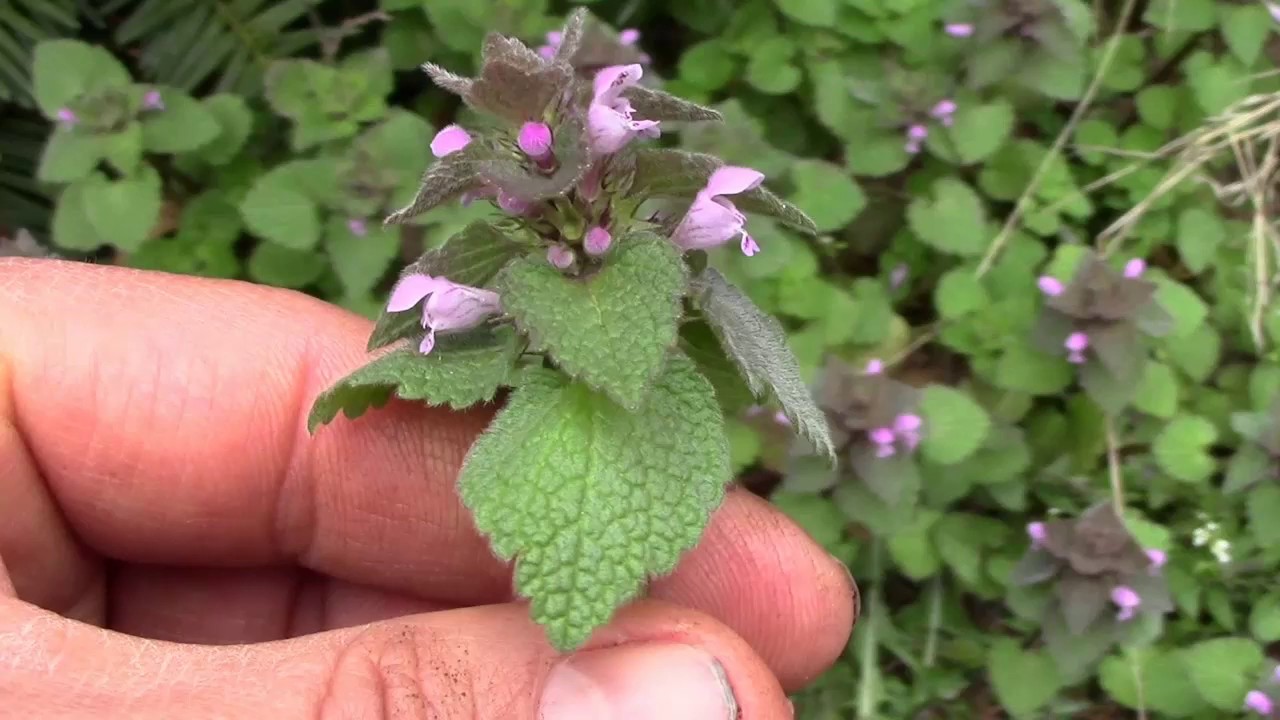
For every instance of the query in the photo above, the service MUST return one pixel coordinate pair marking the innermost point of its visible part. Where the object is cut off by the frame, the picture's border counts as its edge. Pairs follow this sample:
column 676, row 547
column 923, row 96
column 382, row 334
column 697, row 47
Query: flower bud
column 597, row 241
column 959, row 30
column 560, row 256
column 152, row 100
column 535, row 140
column 1134, row 268
column 450, row 140
column 1050, row 286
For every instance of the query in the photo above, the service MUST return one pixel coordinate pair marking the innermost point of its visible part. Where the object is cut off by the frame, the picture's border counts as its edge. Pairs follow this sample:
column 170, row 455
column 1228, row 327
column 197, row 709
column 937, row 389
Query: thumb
column 654, row 661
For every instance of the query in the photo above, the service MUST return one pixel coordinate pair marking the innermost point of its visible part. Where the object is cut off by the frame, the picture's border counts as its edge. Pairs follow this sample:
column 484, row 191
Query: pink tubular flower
column 513, row 204
column 450, row 140
column 629, row 36
column 535, row 141
column 358, row 227
column 875, row 366
column 916, row 135
column 958, row 30
column 597, row 241
column 1158, row 558
column 1127, row 600
column 1076, row 344
column 780, row 418
column 712, row 220
column 907, row 428
column 548, row 51
column 1050, row 286
column 67, row 117
column 884, row 440
column 609, row 116
column 152, row 100
column 448, row 306
column 1134, row 268
column 1038, row 533
column 560, row 256
column 1258, row 702
column 944, row 112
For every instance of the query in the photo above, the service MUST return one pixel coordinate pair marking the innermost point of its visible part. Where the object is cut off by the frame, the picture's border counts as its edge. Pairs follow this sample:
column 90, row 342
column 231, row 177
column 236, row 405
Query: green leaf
column 708, row 65
column 592, row 500
column 819, row 13
column 124, row 211
column 1247, row 466
column 1180, row 301
column 1182, row 448
column 69, row 156
column 1024, row 681
column 954, row 425
column 614, row 329
column 1164, row 688
column 360, row 261
column 464, row 369
column 1245, row 28
column 272, row 264
column 1158, row 392
column 817, row 515
column 959, row 293
column 1023, row 369
column 276, row 208
column 71, row 227
column 1200, row 231
column 1223, row 669
column 63, row 70
column 952, row 220
column 980, row 130
column 123, row 149
column 757, row 343
column 235, row 122
column 827, row 194
column 912, row 548
column 1264, row 619
column 1196, row 353
column 1181, row 15
column 183, row 125
column 1264, row 507
column 1158, row 106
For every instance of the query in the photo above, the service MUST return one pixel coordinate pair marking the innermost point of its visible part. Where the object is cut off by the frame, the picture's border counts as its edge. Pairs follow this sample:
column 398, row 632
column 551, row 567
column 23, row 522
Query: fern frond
column 23, row 24
column 225, row 43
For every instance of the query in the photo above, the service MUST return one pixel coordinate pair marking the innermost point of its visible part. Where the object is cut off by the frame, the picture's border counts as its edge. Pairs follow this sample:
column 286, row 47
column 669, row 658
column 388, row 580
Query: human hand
column 174, row 544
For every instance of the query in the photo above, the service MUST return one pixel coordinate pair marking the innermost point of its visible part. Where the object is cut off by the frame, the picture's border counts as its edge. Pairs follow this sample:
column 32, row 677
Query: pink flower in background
column 448, row 306
column 1274, row 9
column 609, row 116
column 1127, row 600
column 1158, row 558
column 597, row 241
column 958, row 30
column 629, row 36
column 712, row 219
column 1038, row 533
column 535, row 140
column 548, row 51
column 884, row 440
column 905, row 431
column 358, row 227
column 152, row 100
column 1134, row 268
column 1050, row 286
column 67, row 117
column 450, row 140
column 1076, row 343
column 916, row 135
column 875, row 366
column 944, row 112
column 899, row 275
column 1257, row 701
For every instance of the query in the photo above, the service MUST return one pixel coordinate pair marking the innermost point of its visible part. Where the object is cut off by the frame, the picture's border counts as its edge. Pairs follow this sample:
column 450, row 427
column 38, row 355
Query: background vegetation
column 283, row 131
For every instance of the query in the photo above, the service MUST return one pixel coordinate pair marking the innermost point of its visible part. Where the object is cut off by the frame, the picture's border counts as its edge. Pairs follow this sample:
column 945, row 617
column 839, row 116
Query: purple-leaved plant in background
column 576, row 295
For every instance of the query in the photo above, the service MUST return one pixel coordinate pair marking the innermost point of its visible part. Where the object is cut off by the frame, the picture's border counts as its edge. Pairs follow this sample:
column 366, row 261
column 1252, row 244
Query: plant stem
column 1113, row 468
column 935, row 621
column 1135, row 664
column 869, row 671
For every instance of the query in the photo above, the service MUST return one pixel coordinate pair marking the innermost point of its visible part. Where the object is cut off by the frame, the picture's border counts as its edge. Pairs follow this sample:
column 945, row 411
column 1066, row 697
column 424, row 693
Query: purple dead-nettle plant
column 1100, row 582
column 1100, row 322
column 609, row 453
column 1264, row 699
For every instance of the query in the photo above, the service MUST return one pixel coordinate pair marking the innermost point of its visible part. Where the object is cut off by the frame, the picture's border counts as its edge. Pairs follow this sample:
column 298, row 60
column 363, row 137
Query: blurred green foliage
column 950, row 153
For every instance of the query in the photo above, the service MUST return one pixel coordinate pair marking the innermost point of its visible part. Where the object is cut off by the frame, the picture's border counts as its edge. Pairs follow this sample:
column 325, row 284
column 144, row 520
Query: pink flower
column 609, row 116
column 67, row 117
column 560, row 256
column 548, row 52
column 781, row 418
column 448, row 306
column 907, row 427
column 875, row 366
column 1134, row 268
column 1038, row 533
column 713, row 220
column 944, row 112
column 513, row 204
column 358, row 227
column 1050, row 286
column 597, row 241
column 884, row 440
column 535, row 141
column 916, row 135
column 1076, row 344
column 1274, row 9
column 152, row 100
column 450, row 140
column 1127, row 600
column 1158, row 558
column 1257, row 701
column 629, row 36
column 958, row 30
column 898, row 276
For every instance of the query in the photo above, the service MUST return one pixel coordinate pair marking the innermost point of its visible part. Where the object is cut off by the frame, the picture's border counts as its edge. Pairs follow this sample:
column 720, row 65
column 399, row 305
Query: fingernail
column 639, row 682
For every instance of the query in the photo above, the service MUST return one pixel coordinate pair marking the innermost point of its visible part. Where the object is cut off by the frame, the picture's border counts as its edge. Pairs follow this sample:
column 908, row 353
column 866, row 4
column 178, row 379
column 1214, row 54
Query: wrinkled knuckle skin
column 401, row 671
